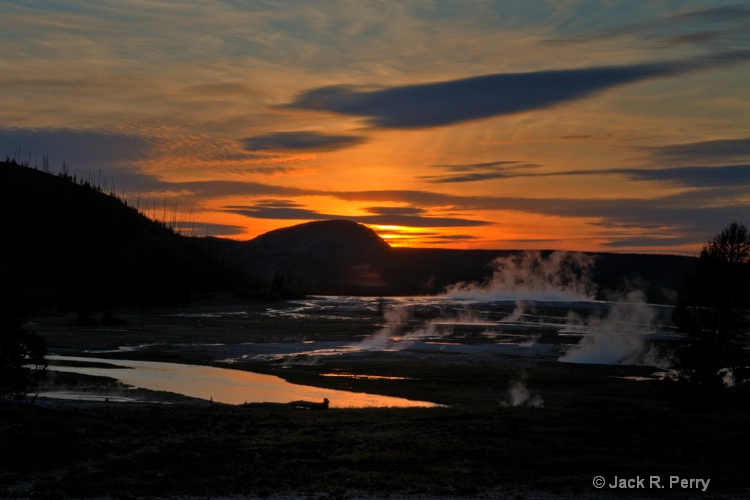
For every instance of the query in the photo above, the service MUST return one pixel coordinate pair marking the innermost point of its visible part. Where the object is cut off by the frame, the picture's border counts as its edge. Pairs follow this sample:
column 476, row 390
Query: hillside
column 323, row 257
column 71, row 247
column 343, row 257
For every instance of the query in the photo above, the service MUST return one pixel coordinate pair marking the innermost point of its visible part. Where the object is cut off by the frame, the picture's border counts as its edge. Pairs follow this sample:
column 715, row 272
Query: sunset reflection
column 224, row 385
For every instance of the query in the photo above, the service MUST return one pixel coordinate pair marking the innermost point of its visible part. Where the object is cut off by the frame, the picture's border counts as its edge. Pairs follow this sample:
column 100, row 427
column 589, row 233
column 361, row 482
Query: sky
column 564, row 124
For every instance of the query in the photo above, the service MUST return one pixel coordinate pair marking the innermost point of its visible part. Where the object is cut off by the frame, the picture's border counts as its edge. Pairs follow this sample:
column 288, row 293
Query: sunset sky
column 578, row 125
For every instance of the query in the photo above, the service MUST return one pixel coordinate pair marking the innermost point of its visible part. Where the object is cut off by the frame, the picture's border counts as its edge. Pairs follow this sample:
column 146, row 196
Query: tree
column 712, row 312
column 22, row 352
column 22, row 360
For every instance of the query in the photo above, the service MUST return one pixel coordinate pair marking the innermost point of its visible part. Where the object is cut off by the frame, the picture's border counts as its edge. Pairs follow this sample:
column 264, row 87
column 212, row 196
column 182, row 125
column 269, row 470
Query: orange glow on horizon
column 428, row 135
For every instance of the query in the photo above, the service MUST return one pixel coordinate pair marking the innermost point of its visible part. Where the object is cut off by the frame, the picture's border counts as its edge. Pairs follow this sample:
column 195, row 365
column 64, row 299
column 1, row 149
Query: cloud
column 277, row 209
column 223, row 89
column 704, row 28
column 289, row 210
column 691, row 215
column 82, row 147
column 452, row 238
column 716, row 195
column 286, row 141
column 687, row 176
column 705, row 151
column 222, row 188
column 728, row 13
column 480, row 171
column 727, row 175
column 419, row 221
column 450, row 102
column 727, row 23
column 395, row 210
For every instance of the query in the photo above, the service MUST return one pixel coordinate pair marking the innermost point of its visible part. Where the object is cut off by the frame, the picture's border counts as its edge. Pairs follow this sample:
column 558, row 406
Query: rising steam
column 617, row 338
column 519, row 395
column 531, row 275
column 394, row 337
column 620, row 336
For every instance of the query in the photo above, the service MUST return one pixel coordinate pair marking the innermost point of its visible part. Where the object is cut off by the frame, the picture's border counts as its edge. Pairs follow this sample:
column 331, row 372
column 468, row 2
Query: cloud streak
column 480, row 171
column 304, row 141
column 86, row 146
column 444, row 103
column 388, row 216
column 687, row 176
column 704, row 151
column 517, row 114
column 648, row 223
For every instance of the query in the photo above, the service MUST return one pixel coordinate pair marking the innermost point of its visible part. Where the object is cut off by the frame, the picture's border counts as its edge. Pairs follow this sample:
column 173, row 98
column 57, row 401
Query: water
column 412, row 328
column 223, row 385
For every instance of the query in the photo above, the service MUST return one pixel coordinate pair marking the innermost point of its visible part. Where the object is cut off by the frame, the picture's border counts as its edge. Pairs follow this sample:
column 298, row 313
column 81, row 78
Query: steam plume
column 529, row 275
column 618, row 338
column 519, row 395
column 392, row 337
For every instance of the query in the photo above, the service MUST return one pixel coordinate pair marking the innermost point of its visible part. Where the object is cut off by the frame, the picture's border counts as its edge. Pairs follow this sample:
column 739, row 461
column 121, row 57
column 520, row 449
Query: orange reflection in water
column 362, row 377
column 225, row 385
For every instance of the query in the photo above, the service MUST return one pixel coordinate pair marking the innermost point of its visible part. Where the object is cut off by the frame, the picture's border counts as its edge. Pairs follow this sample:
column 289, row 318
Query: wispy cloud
column 90, row 147
column 290, row 210
column 437, row 104
column 686, row 213
column 729, row 176
column 471, row 172
column 723, row 27
column 306, row 140
column 277, row 209
column 262, row 110
column 704, row 151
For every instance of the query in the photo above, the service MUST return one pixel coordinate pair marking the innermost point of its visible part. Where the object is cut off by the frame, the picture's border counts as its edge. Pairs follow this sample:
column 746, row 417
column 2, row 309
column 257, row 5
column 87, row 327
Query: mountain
column 323, row 257
column 67, row 245
column 342, row 257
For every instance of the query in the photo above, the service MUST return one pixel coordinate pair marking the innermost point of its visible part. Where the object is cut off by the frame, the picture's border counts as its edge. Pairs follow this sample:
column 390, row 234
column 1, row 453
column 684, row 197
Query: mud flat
column 423, row 349
column 514, row 421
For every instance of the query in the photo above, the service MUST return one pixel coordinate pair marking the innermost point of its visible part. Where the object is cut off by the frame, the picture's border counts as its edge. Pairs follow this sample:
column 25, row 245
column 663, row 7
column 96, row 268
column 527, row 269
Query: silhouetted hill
column 343, row 257
column 323, row 257
column 72, row 247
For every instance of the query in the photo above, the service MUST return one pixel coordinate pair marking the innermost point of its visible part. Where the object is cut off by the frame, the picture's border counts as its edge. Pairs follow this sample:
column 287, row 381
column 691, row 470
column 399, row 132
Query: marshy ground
column 587, row 420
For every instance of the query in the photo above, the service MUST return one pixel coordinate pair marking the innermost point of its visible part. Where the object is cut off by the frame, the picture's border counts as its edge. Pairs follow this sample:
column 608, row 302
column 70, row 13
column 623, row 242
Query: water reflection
column 356, row 376
column 223, row 385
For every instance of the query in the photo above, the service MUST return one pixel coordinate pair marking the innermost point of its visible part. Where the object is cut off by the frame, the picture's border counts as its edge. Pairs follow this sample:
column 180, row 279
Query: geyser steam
column 617, row 338
column 530, row 275
column 391, row 337
column 519, row 395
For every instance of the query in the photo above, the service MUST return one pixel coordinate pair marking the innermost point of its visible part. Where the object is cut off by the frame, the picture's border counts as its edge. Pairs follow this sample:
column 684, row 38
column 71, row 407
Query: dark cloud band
column 450, row 102
column 286, row 210
column 297, row 141
column 705, row 151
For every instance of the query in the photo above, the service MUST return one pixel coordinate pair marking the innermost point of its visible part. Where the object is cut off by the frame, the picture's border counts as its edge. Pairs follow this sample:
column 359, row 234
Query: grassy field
column 159, row 450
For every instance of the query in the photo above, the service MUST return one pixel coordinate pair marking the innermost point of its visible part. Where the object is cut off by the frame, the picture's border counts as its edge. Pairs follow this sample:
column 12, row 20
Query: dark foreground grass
column 122, row 451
